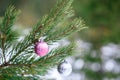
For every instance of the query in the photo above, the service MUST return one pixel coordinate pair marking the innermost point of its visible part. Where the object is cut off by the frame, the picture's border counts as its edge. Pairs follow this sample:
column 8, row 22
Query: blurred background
column 97, row 54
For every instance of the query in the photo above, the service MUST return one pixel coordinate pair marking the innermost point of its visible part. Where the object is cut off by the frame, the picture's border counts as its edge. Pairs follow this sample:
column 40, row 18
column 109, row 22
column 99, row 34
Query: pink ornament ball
column 41, row 48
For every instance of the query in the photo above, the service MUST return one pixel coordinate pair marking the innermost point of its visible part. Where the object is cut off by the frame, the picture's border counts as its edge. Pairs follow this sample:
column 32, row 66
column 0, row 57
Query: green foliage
column 103, row 19
column 19, row 60
column 6, row 24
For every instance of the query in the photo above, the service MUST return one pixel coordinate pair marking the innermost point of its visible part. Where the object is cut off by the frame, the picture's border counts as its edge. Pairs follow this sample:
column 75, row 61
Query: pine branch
column 8, row 21
column 6, row 34
column 40, row 65
column 70, row 28
column 22, row 59
column 41, row 27
column 52, row 59
column 57, row 15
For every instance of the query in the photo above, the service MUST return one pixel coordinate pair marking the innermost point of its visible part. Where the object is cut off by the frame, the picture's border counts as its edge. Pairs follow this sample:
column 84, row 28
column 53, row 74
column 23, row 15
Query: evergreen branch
column 6, row 35
column 28, row 41
column 3, row 51
column 28, row 65
column 53, row 58
column 18, row 53
column 57, row 15
column 40, row 29
column 8, row 21
column 21, row 57
column 61, row 19
column 40, row 65
column 75, row 26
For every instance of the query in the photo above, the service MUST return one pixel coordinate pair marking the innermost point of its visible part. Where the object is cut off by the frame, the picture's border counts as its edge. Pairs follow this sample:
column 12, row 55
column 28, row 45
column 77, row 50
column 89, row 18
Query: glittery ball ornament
column 65, row 68
column 41, row 48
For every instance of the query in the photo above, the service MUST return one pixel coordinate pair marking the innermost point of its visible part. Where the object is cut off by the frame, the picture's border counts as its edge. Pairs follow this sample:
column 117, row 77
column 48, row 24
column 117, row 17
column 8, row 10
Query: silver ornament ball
column 65, row 68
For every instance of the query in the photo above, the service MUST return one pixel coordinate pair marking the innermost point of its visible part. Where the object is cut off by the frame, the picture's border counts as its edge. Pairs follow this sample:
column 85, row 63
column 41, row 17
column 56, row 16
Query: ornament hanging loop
column 41, row 39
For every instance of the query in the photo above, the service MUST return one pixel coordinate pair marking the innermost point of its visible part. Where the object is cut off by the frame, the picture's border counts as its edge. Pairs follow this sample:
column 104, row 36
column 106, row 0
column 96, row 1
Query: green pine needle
column 21, row 62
